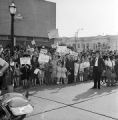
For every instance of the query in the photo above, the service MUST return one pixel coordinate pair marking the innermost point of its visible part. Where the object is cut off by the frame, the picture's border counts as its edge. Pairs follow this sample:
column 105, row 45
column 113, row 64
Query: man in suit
column 70, row 68
column 98, row 67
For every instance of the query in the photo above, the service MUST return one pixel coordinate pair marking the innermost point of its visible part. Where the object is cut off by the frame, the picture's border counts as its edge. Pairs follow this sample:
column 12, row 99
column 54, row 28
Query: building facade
column 108, row 42
column 33, row 20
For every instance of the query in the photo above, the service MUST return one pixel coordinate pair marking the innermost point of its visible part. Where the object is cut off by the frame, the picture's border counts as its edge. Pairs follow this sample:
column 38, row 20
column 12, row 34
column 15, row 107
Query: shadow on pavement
column 95, row 93
column 57, row 88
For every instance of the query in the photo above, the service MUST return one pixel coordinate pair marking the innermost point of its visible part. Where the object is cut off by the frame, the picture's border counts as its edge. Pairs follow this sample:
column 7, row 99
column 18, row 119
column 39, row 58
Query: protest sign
column 62, row 49
column 73, row 53
column 53, row 34
column 43, row 51
column 33, row 42
column 53, row 45
column 30, row 49
column 36, row 71
column 25, row 60
column 43, row 58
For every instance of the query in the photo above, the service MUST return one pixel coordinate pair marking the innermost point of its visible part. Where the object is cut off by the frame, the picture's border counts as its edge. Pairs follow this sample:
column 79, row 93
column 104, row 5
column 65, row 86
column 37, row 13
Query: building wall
column 95, row 42
column 39, row 17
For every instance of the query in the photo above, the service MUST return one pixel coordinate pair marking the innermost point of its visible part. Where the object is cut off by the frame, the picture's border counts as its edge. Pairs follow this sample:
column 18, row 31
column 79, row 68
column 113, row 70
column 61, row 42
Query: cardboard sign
column 43, row 51
column 36, row 71
column 43, row 58
column 30, row 49
column 73, row 53
column 62, row 49
column 53, row 45
column 25, row 60
column 33, row 42
column 53, row 34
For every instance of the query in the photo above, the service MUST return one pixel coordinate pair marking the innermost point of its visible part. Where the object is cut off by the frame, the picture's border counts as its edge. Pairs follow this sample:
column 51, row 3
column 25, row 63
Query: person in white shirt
column 98, row 68
column 76, row 68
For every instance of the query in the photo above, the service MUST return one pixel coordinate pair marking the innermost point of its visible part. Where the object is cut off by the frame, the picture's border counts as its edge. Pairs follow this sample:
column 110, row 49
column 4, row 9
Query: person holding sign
column 25, row 69
column 34, row 70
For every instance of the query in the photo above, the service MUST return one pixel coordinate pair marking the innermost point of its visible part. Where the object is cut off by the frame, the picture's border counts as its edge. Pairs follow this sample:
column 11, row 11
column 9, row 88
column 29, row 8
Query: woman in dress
column 54, row 65
column 58, row 70
column 64, row 74
column 110, row 63
column 81, row 69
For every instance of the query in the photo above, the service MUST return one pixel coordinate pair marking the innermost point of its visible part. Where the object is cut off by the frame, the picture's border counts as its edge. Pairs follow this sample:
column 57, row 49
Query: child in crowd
column 81, row 69
column 76, row 69
column 17, row 75
column 41, row 74
column 86, row 68
column 58, row 70
column 64, row 74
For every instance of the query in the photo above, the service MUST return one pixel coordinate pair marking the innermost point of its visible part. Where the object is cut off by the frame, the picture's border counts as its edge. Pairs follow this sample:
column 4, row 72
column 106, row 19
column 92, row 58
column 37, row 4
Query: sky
column 88, row 17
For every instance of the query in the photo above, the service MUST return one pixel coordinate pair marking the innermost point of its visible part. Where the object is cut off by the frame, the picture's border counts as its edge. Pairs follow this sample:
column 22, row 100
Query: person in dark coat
column 98, row 67
column 70, row 68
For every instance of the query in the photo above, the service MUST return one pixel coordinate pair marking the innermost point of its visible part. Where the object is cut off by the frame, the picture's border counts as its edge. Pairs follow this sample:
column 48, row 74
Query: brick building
column 33, row 20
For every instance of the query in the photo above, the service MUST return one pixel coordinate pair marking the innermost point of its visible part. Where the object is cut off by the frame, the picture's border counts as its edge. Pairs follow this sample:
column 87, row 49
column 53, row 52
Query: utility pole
column 76, row 37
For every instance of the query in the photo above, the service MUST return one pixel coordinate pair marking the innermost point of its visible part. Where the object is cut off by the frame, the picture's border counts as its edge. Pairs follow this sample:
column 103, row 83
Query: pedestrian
column 76, row 69
column 64, row 74
column 98, row 67
column 58, row 70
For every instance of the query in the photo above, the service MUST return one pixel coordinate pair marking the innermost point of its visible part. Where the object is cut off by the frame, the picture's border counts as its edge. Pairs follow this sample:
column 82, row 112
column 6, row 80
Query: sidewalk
column 74, row 102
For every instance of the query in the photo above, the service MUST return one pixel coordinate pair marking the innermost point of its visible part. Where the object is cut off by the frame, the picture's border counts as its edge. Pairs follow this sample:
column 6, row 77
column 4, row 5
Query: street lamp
column 12, row 9
column 76, row 37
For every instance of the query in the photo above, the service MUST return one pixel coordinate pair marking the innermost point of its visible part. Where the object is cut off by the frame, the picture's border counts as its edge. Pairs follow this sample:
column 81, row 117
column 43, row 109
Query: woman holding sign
column 34, row 70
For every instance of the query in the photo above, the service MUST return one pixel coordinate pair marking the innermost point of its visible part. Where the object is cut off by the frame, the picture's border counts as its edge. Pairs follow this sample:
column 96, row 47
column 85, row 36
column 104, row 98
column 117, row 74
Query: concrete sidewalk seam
column 85, row 100
column 71, row 105
column 94, row 112
column 46, row 111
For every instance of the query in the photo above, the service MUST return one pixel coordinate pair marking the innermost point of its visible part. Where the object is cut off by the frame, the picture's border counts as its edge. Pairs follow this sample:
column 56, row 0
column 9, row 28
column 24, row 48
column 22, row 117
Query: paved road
column 74, row 102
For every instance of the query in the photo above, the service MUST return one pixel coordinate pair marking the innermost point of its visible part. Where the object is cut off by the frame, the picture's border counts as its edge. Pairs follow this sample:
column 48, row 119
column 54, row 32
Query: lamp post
column 76, row 37
column 12, row 9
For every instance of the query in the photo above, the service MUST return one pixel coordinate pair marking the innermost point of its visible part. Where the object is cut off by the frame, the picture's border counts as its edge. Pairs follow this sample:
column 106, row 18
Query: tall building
column 33, row 20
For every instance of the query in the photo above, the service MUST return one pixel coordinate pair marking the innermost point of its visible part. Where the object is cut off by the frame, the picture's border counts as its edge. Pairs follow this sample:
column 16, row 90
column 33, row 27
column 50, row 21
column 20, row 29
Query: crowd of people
column 60, row 68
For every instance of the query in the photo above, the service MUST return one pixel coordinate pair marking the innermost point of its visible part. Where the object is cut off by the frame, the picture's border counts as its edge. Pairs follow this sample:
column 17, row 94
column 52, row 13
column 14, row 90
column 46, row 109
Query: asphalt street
column 74, row 102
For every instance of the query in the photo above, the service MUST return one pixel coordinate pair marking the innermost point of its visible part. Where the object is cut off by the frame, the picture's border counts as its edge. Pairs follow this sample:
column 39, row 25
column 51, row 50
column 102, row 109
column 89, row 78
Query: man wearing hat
column 98, row 67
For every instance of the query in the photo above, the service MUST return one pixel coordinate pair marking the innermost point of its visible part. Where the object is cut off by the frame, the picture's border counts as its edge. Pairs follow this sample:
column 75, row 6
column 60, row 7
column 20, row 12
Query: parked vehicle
column 14, row 106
